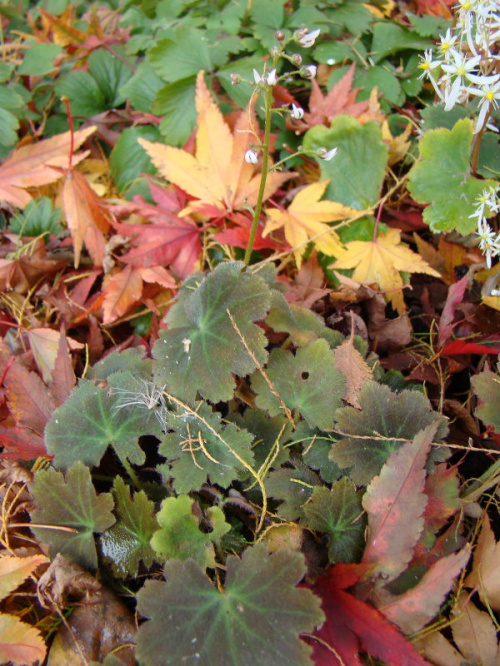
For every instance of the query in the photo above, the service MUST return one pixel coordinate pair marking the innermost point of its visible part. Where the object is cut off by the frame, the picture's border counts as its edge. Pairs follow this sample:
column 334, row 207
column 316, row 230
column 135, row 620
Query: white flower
column 459, row 68
column 296, row 112
column 271, row 78
column 251, row 157
column 256, row 76
column 489, row 94
column 307, row 40
column 447, row 41
column 327, row 155
column 489, row 243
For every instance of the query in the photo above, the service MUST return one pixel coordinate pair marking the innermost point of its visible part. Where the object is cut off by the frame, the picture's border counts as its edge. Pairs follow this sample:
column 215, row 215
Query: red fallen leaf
column 21, row 444
column 323, row 108
column 29, row 401
column 239, row 235
column 455, row 297
column 457, row 347
column 169, row 241
column 63, row 377
column 353, row 626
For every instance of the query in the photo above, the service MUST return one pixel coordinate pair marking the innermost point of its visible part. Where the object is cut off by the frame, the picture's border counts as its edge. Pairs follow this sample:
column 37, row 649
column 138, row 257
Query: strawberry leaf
column 338, row 513
column 385, row 419
column 307, row 382
column 72, row 502
column 442, row 178
column 256, row 619
column 202, row 348
column 127, row 542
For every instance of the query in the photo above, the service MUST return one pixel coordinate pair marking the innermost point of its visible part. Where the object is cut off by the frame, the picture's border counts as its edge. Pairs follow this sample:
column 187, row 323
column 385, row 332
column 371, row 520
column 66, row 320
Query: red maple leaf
column 169, row 241
column 353, row 626
column 323, row 108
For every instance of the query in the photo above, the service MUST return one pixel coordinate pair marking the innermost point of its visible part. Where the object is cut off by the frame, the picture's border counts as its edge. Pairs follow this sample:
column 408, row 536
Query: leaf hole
column 304, row 375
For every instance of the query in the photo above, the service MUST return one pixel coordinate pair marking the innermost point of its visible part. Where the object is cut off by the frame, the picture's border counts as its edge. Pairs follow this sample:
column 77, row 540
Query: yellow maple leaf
column 217, row 175
column 305, row 219
column 380, row 261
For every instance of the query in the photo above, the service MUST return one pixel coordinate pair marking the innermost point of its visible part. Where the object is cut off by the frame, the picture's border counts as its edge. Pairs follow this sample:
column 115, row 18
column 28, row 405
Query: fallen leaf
column 93, row 630
column 169, row 241
column 29, row 401
column 217, row 176
column 357, row 372
column 44, row 343
column 15, row 570
column 120, row 291
column 323, row 108
column 63, row 378
column 31, row 165
column 474, row 634
column 20, row 643
column 395, row 503
column 352, row 626
column 85, row 217
column 305, row 219
column 485, row 574
column 455, row 297
column 438, row 650
column 380, row 261
column 420, row 604
column 63, row 579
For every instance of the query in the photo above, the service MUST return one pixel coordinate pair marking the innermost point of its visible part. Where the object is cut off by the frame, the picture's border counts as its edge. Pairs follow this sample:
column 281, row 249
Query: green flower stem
column 263, row 178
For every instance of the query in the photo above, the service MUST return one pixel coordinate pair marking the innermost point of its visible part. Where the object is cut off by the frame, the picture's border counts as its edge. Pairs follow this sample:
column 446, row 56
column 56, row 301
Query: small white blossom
column 256, row 76
column 296, row 112
column 489, row 96
column 307, row 40
column 327, row 155
column 271, row 78
column 251, row 157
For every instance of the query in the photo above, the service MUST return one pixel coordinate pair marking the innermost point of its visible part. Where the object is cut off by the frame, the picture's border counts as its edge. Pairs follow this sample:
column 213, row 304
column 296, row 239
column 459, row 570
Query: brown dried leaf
column 438, row 650
column 475, row 634
column 63, row 579
column 485, row 574
column 357, row 372
column 120, row 292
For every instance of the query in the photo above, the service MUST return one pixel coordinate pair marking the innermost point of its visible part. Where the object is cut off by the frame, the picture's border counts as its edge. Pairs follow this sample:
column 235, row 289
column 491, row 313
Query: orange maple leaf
column 86, row 219
column 305, row 219
column 32, row 165
column 380, row 261
column 124, row 289
column 217, row 175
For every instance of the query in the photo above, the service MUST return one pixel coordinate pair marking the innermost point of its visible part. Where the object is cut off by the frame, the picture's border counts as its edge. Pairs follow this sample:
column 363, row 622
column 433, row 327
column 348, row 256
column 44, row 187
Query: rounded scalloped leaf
column 202, row 349
column 180, row 536
column 357, row 171
column 385, row 420
column 338, row 513
column 486, row 386
column 94, row 418
column 127, row 542
column 442, row 178
column 71, row 501
column 199, row 447
column 256, row 619
column 306, row 381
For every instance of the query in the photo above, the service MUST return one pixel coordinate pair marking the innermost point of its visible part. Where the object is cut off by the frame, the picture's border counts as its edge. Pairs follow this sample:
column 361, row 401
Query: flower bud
column 235, row 79
column 325, row 154
column 296, row 112
column 279, row 35
column 308, row 72
column 275, row 51
column 307, row 39
column 296, row 59
column 251, row 157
